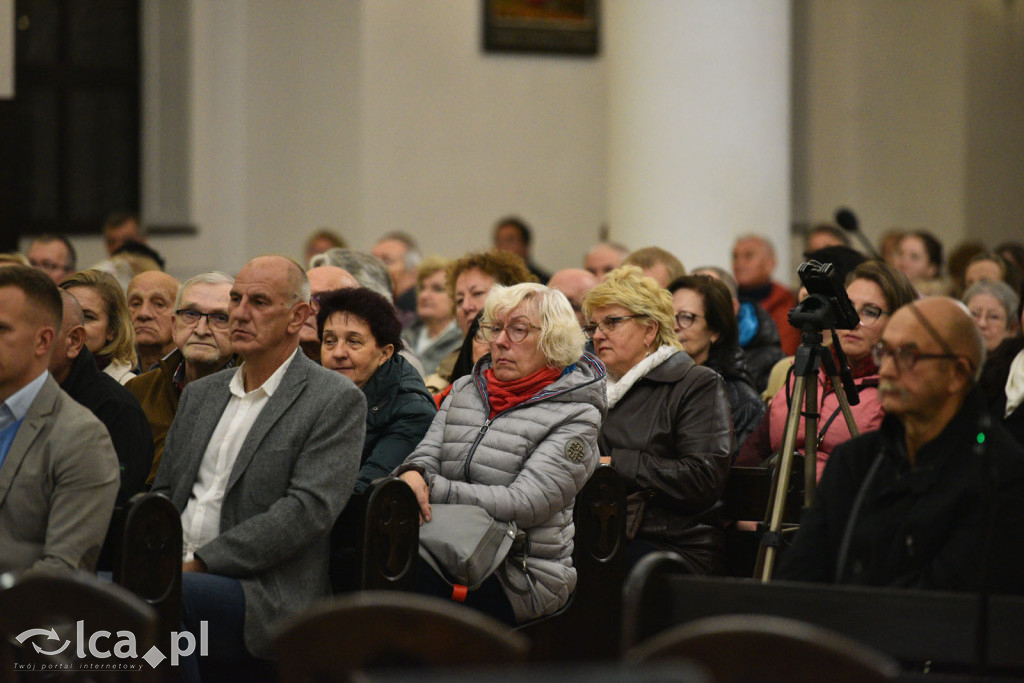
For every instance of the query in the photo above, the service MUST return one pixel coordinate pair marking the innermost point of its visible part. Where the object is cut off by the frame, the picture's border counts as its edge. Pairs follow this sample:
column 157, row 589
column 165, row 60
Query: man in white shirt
column 260, row 461
column 58, row 469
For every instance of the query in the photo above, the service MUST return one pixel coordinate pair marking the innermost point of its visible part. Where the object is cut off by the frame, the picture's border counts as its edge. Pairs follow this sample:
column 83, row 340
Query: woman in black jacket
column 706, row 327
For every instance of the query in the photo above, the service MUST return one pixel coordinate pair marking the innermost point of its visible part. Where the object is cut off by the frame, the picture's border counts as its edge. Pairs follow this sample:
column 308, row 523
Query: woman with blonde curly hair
column 108, row 325
column 668, row 431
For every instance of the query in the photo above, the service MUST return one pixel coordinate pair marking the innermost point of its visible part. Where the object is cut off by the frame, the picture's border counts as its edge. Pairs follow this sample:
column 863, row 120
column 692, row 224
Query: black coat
column 399, row 410
column 993, row 385
column 744, row 400
column 122, row 415
column 764, row 350
column 923, row 526
column 671, row 435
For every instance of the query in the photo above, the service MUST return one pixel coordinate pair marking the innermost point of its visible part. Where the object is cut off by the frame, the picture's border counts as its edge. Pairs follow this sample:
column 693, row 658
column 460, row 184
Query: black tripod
column 810, row 356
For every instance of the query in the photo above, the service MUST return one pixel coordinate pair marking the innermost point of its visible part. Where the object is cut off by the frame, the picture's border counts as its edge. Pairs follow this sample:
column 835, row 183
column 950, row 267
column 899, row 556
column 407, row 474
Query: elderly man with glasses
column 931, row 500
column 199, row 328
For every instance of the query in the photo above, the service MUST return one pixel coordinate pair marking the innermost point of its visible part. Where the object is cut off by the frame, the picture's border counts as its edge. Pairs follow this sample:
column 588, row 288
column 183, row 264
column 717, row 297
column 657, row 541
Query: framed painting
column 552, row 26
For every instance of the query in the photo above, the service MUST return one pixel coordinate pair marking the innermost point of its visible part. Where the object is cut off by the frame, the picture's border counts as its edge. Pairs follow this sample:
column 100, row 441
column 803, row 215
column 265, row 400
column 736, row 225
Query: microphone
column 848, row 222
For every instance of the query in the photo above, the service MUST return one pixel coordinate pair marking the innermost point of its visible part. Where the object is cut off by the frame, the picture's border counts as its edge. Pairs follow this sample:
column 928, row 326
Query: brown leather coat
column 671, row 435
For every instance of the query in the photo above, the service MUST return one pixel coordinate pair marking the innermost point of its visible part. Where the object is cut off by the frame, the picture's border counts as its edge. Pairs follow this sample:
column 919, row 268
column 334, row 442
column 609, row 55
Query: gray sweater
column 527, row 466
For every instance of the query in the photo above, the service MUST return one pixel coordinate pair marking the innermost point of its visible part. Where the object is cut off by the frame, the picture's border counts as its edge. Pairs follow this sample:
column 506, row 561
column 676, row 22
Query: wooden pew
column 587, row 628
column 924, row 630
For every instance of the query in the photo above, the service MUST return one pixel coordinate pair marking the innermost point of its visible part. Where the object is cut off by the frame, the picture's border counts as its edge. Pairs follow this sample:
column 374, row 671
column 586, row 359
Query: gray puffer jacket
column 524, row 465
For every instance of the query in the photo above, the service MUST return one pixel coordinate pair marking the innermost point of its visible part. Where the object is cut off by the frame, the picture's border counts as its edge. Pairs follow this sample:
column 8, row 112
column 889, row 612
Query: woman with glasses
column 706, row 327
column 108, row 325
column 668, row 431
column 518, row 437
column 993, row 305
column 876, row 291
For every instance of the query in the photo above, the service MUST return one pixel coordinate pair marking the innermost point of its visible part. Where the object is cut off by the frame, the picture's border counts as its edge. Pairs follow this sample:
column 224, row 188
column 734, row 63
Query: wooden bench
column 924, row 630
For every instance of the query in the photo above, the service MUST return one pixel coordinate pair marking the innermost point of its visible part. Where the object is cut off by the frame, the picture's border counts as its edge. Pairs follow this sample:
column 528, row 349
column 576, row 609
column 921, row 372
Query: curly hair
column 506, row 269
column 377, row 312
column 119, row 322
column 640, row 295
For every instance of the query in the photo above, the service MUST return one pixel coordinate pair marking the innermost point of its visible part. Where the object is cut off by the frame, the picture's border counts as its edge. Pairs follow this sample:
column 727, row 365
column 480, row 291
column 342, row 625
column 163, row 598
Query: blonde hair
column 122, row 346
column 428, row 267
column 561, row 339
column 640, row 295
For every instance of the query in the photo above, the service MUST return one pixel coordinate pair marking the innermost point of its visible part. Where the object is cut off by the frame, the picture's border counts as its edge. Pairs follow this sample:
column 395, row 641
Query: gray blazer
column 57, row 487
column 294, row 474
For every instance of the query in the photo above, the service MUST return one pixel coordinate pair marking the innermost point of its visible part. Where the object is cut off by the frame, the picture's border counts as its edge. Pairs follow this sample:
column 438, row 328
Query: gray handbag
column 464, row 544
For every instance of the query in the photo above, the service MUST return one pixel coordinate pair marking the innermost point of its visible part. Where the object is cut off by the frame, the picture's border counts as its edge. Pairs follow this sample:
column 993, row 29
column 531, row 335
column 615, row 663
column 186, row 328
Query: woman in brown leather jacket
column 668, row 431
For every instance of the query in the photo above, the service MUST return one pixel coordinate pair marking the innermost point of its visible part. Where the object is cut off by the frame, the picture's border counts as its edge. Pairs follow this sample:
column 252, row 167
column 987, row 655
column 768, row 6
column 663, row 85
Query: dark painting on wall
column 553, row 26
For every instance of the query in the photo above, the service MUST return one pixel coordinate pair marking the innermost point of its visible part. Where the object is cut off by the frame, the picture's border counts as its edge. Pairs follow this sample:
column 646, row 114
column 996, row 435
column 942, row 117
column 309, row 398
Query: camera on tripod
column 827, row 307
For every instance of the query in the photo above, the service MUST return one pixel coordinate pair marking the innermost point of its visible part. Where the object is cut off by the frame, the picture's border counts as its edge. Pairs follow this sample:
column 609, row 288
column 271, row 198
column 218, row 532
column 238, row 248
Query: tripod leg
column 810, row 441
column 844, row 405
column 780, row 482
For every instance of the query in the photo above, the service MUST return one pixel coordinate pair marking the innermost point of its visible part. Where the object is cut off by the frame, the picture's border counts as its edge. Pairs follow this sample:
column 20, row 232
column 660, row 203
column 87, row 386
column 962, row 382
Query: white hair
column 561, row 339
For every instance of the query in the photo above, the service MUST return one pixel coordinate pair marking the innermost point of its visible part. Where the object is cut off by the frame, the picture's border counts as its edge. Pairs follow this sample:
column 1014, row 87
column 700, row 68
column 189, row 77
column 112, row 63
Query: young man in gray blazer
column 58, row 470
column 260, row 461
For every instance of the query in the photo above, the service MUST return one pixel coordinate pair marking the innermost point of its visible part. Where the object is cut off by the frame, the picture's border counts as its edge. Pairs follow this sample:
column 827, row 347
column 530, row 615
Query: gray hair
column 413, row 256
column 214, row 277
column 722, row 274
column 1002, row 292
column 367, row 269
column 561, row 339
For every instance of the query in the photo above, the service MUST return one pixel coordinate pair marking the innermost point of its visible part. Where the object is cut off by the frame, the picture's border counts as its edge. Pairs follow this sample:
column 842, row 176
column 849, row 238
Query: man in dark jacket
column 932, row 500
column 74, row 368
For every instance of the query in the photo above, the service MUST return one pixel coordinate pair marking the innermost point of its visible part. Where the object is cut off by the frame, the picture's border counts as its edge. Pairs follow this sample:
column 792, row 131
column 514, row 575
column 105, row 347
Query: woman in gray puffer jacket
column 518, row 437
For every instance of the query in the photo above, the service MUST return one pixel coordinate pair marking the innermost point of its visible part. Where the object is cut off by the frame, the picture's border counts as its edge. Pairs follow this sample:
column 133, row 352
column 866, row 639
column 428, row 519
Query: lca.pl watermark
column 98, row 646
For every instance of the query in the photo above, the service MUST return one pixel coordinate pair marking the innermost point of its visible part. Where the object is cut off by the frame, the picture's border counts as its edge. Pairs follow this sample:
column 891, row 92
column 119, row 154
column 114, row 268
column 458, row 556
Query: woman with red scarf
column 518, row 437
column 876, row 291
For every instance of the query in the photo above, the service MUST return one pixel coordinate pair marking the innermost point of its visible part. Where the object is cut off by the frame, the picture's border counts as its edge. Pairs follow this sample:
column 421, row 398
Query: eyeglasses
column 217, row 321
column 685, row 319
column 906, row 357
column 869, row 314
column 49, row 266
column 517, row 332
column 608, row 325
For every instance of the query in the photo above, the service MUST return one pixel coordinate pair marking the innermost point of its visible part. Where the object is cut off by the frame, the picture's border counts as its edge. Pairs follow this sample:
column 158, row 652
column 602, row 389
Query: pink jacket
column 867, row 415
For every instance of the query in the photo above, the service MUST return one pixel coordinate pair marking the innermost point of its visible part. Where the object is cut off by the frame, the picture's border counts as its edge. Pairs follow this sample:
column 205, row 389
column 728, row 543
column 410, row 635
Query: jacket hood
column 582, row 382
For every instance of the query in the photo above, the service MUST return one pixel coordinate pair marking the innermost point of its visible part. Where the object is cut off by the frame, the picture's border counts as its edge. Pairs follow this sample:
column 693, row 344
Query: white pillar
column 699, row 125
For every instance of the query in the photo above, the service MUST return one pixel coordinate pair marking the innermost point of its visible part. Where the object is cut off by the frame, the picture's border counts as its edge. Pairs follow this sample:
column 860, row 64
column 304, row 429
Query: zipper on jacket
column 476, row 442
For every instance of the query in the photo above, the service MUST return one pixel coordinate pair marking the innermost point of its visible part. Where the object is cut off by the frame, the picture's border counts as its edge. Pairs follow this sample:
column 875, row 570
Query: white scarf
column 1015, row 384
column 618, row 388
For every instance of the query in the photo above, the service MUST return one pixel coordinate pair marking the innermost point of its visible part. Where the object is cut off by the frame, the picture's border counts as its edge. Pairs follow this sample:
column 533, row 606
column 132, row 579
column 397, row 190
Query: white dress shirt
column 200, row 522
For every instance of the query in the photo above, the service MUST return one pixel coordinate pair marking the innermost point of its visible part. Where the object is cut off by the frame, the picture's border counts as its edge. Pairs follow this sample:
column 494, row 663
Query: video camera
column 827, row 307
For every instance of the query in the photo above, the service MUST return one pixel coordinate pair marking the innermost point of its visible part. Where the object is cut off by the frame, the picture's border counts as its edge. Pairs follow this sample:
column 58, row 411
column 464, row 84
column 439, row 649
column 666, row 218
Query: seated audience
column 58, row 468
column 121, row 227
column 321, row 241
column 542, row 402
column 199, row 328
column 920, row 258
column 656, row 263
column 54, row 255
column 757, row 334
column 321, row 279
column 753, row 261
column 993, row 305
column 604, row 257
column 151, row 298
column 361, row 336
column 825, row 235
column 876, row 290
column 908, row 505
column 513, row 235
column 400, row 254
column 435, row 334
column 108, row 325
column 1002, row 382
column 706, row 327
column 74, row 368
column 574, row 283
column 259, row 462
column 668, row 431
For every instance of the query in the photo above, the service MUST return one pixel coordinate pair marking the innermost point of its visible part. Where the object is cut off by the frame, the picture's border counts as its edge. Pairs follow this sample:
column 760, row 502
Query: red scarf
column 505, row 395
